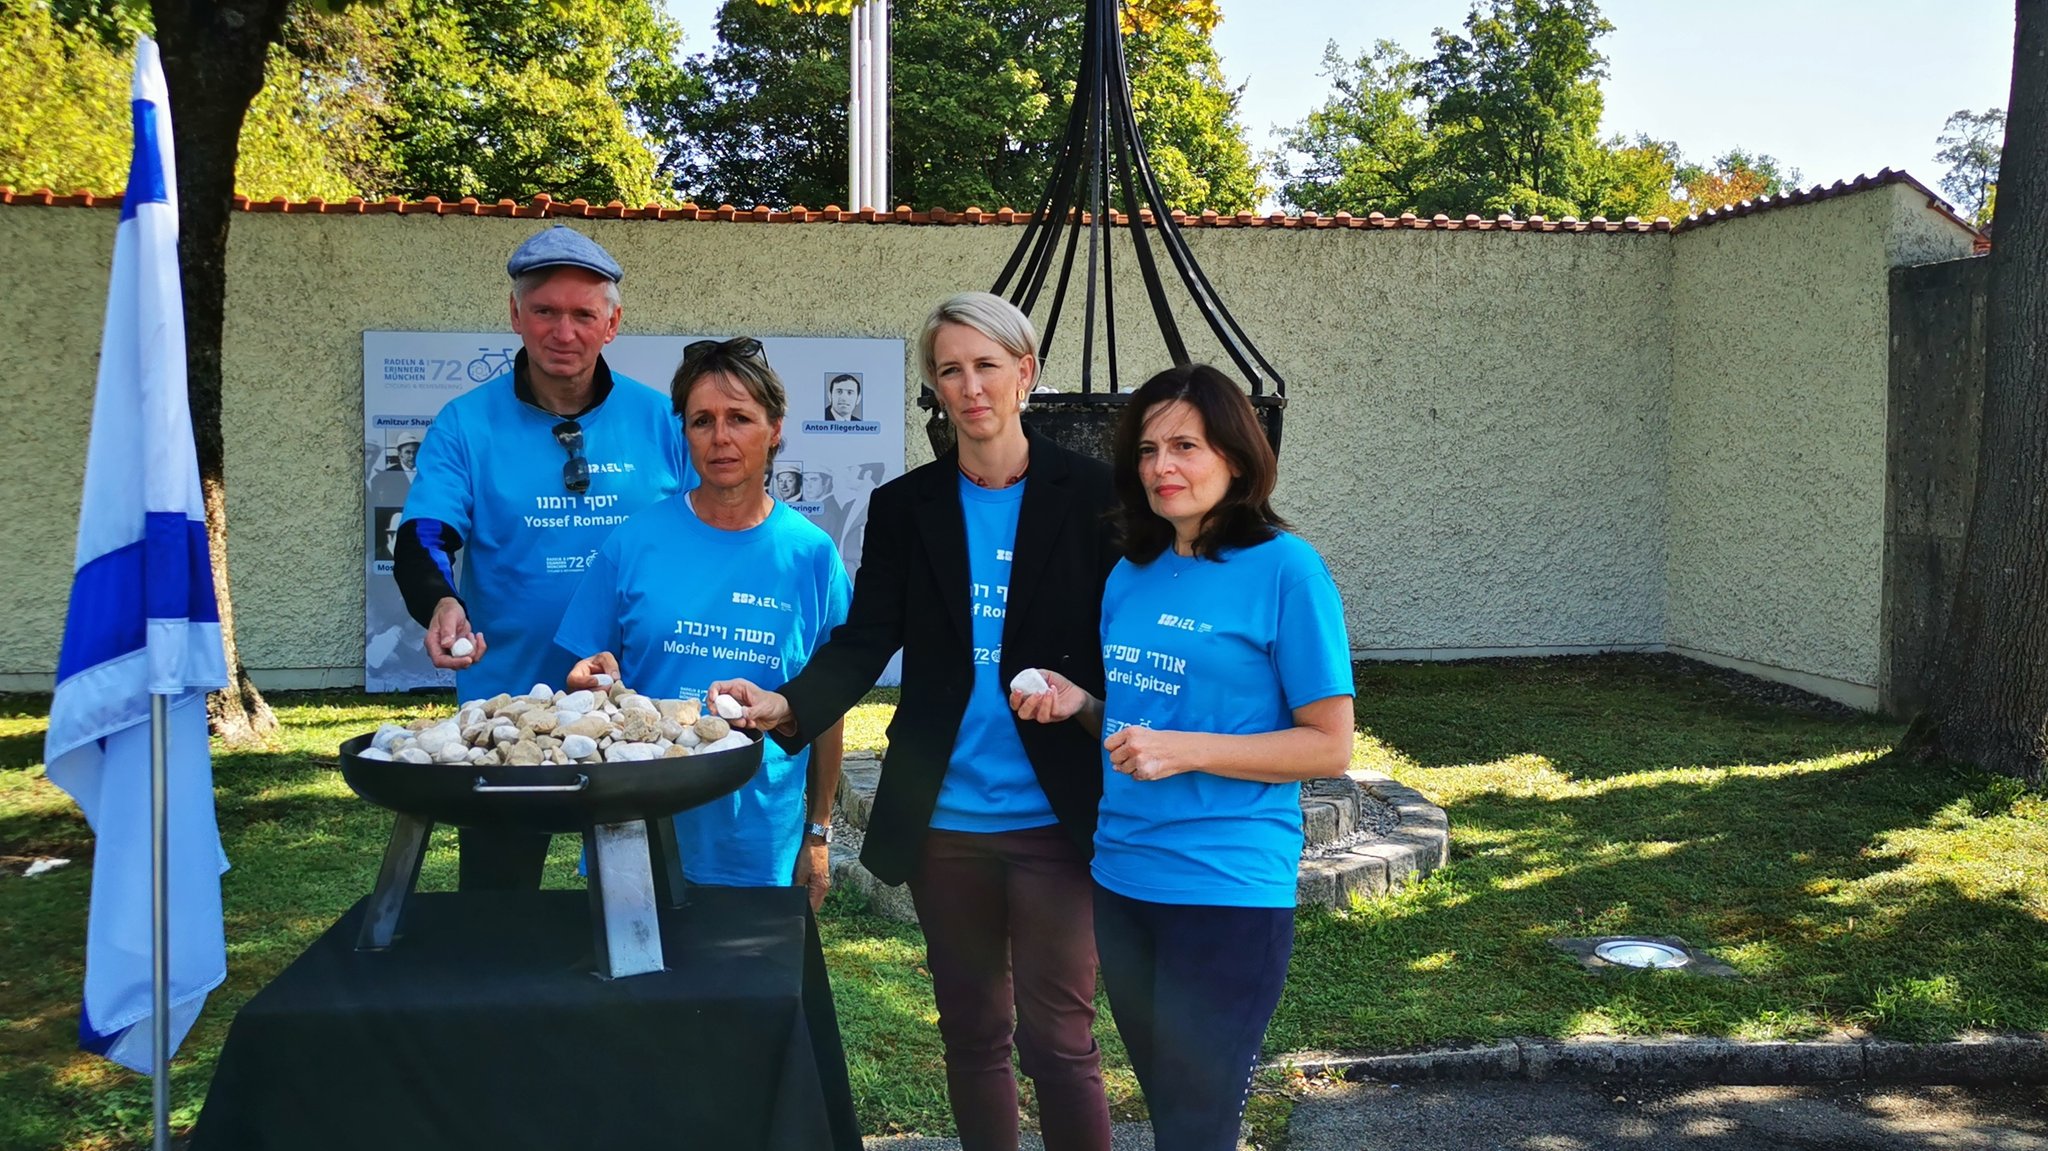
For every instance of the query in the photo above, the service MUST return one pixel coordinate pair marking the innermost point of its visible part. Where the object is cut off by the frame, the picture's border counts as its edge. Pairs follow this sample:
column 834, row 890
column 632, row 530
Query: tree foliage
column 1137, row 15
column 1970, row 146
column 981, row 91
column 1731, row 178
column 1502, row 117
column 491, row 98
column 1514, row 104
column 64, row 76
column 485, row 98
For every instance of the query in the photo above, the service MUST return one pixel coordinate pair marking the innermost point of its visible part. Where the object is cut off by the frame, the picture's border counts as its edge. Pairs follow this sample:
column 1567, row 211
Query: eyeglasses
column 739, row 347
column 575, row 473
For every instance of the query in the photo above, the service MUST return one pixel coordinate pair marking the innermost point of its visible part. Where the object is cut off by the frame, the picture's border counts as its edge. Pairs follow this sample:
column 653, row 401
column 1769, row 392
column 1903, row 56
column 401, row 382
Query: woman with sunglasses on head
column 724, row 580
column 987, row 561
column 1229, row 674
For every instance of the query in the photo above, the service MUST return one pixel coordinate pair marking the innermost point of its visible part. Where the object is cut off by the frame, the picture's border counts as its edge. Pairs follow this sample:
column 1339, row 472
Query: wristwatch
column 821, row 830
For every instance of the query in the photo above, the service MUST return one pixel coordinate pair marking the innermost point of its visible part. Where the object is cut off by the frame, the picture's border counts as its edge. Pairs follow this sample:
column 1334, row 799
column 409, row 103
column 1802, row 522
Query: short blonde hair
column 991, row 315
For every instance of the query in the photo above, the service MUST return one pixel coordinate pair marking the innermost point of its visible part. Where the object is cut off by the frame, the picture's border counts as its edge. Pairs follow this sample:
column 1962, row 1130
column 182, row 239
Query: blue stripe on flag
column 163, row 575
column 89, row 1037
column 146, row 171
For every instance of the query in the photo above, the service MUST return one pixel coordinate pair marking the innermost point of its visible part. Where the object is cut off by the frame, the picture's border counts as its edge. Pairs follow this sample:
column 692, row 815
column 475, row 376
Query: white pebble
column 386, row 733
column 732, row 742
column 577, row 701
column 462, row 647
column 727, row 707
column 374, row 753
column 440, row 736
column 602, row 679
column 453, row 753
column 578, row 746
column 639, row 703
column 541, row 693
column 1030, row 682
column 415, row 755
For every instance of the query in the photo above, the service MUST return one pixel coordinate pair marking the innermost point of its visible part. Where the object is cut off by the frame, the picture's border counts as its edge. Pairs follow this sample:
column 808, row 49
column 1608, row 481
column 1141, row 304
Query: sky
column 1833, row 88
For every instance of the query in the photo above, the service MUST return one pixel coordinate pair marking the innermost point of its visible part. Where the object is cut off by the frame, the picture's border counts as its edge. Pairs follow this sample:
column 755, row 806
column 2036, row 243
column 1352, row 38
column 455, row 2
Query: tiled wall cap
column 545, row 206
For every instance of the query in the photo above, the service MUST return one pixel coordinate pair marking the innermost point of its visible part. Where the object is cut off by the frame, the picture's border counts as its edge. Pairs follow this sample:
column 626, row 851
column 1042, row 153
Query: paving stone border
column 1331, row 813
column 1974, row 1059
column 1418, row 846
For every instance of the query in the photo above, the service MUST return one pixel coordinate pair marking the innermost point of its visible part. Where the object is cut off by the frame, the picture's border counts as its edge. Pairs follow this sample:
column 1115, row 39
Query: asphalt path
column 1577, row 1116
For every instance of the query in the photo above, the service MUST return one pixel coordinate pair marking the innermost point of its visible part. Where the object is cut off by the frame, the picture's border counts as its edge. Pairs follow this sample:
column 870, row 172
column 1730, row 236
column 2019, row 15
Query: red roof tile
column 544, row 206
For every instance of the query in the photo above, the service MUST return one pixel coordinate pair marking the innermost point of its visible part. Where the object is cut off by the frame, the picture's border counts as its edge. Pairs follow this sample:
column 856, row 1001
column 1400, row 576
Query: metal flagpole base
column 396, row 878
column 625, row 930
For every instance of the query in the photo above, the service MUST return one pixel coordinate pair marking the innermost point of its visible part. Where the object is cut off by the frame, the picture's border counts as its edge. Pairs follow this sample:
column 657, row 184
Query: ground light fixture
column 1631, row 952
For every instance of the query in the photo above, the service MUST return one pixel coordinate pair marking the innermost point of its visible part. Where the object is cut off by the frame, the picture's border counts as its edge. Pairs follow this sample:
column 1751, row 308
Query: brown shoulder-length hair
column 1245, row 515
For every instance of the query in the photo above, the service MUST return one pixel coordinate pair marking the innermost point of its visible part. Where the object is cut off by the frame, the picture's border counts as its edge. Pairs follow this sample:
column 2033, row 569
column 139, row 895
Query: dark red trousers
column 1009, row 933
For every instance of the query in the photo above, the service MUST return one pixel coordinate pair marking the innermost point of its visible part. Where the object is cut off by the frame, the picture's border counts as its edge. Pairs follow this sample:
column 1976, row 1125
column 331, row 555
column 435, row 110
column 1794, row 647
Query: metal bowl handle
column 483, row 786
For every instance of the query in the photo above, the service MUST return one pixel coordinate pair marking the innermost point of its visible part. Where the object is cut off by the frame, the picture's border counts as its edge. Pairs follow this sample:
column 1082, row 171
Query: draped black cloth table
column 482, row 1027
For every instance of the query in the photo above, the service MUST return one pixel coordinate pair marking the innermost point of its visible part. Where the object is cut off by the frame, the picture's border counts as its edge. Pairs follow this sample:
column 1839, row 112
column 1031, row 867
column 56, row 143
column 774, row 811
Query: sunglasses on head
column 741, row 347
column 576, row 472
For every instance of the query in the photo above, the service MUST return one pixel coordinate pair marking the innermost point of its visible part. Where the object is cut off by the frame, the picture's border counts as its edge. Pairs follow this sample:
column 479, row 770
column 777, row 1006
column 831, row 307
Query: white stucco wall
column 1502, row 442
column 1780, row 336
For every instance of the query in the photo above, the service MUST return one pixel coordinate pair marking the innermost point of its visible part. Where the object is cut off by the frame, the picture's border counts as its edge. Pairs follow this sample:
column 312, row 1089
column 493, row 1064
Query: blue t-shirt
column 682, row 603
column 989, row 785
column 1230, row 646
column 490, row 469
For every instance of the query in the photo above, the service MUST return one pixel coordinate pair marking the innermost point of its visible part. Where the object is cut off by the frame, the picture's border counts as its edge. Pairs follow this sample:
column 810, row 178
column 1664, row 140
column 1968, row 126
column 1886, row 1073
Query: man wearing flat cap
column 389, row 486
column 526, row 475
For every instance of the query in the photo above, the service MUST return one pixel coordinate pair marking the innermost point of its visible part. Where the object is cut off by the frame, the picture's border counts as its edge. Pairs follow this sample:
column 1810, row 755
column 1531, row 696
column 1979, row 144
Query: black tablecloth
column 483, row 1027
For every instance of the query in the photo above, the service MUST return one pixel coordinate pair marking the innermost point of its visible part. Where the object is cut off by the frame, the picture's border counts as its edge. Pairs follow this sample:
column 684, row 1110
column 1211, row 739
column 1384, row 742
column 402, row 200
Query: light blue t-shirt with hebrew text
column 1230, row 645
column 491, row 469
column 682, row 603
column 989, row 784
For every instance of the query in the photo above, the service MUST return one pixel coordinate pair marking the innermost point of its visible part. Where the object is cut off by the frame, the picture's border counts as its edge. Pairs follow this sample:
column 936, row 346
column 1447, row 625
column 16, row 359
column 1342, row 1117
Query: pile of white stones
column 610, row 724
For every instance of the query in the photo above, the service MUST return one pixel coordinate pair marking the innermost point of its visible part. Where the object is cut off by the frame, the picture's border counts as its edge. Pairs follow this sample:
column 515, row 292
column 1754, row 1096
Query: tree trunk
column 1991, row 704
column 213, row 55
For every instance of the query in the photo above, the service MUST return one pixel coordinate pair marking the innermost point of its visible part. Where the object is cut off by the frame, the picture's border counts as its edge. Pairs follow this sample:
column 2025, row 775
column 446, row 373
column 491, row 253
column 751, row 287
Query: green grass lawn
column 1586, row 796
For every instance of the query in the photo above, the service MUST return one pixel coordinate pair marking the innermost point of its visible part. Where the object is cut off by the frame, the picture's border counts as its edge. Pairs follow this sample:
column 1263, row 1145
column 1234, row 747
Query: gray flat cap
column 562, row 246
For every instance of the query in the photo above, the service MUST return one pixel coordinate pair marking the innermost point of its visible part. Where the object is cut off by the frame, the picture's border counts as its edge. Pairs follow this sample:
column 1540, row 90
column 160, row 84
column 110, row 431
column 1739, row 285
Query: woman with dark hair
column 724, row 558
column 984, row 562
column 1229, row 682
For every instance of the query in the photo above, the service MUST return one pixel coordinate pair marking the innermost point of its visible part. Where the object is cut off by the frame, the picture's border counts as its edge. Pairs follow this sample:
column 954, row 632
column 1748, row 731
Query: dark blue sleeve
column 423, row 563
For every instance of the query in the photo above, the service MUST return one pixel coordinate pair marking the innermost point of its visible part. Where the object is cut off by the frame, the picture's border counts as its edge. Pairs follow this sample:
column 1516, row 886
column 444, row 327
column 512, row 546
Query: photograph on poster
column 842, row 397
column 843, row 437
column 386, row 520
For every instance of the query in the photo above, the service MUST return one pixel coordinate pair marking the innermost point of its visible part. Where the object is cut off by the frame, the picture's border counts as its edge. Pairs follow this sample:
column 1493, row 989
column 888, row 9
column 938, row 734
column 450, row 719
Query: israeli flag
column 142, row 621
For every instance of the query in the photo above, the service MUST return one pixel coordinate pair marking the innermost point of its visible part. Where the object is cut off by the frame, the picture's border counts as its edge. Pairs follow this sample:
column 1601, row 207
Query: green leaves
column 981, row 94
column 491, row 98
column 1502, row 117
column 1971, row 145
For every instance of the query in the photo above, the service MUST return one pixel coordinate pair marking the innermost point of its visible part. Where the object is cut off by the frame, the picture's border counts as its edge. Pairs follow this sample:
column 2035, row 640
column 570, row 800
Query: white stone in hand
column 461, row 647
column 727, row 706
column 1031, row 682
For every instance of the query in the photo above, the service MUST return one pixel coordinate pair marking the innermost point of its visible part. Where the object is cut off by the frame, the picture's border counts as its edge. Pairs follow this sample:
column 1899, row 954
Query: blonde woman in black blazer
column 985, row 562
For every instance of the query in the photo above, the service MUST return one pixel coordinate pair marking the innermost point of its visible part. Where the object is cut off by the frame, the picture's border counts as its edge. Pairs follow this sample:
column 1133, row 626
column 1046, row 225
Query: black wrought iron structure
column 1101, row 160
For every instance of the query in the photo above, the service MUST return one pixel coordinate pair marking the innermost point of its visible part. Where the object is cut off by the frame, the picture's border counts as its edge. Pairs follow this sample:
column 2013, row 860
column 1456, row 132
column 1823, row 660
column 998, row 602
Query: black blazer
column 912, row 592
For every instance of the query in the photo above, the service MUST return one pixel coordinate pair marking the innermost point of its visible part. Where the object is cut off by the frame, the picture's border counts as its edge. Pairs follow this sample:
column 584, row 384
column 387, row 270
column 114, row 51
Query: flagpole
column 160, row 920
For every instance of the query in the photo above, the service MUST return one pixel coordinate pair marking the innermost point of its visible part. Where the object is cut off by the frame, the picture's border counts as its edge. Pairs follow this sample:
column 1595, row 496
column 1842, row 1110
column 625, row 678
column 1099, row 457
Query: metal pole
column 160, row 920
column 856, row 113
column 878, row 103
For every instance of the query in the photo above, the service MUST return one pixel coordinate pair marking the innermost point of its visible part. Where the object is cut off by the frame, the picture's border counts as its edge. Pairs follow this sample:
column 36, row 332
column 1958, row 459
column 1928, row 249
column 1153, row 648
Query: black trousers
column 495, row 860
column 1192, row 989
